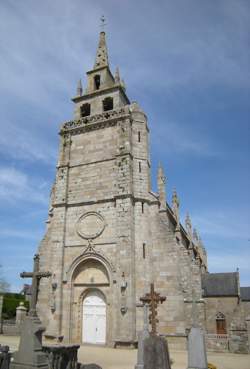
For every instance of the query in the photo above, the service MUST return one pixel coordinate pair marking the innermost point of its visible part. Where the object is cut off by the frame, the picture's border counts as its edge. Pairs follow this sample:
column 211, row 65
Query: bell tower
column 104, row 92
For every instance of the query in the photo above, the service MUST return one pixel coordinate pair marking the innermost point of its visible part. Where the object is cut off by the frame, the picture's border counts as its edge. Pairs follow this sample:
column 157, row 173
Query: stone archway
column 90, row 285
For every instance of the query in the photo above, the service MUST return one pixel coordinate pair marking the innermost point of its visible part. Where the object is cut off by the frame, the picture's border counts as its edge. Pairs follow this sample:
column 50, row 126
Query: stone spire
column 161, row 182
column 195, row 236
column 102, row 52
column 79, row 88
column 175, row 208
column 188, row 225
column 117, row 76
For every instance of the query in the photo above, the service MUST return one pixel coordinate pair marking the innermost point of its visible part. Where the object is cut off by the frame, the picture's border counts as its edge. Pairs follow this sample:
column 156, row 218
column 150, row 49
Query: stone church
column 109, row 235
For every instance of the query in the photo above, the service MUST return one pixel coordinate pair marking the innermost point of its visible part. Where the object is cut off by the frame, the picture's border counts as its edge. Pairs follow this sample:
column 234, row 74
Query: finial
column 123, row 84
column 175, row 199
column 79, row 88
column 117, row 76
column 188, row 225
column 161, row 183
column 195, row 235
column 175, row 207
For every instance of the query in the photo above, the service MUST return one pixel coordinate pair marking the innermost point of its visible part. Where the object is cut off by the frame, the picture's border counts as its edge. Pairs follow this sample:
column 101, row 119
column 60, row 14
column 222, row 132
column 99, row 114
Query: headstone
column 197, row 356
column 141, row 337
column 156, row 354
column 21, row 313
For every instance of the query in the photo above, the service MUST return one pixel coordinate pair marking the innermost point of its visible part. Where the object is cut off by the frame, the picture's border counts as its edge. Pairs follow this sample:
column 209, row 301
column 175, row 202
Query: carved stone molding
column 90, row 225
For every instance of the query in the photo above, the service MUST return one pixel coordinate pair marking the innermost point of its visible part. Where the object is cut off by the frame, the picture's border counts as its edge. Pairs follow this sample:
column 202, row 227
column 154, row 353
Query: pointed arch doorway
column 94, row 318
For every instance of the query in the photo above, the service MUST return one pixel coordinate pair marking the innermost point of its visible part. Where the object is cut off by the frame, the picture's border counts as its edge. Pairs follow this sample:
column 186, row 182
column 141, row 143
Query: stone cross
column 153, row 299
column 194, row 301
column 36, row 275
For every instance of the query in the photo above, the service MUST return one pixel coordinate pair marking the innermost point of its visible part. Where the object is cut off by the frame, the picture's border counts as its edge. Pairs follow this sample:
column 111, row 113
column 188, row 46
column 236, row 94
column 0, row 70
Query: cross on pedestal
column 36, row 275
column 153, row 299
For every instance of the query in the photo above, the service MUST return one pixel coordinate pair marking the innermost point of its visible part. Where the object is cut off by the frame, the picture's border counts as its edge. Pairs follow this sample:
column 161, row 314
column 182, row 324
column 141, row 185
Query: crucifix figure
column 36, row 275
column 153, row 299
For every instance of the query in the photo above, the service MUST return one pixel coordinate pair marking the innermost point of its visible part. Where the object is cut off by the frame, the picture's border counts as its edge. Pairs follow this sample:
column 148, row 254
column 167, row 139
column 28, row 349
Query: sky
column 186, row 62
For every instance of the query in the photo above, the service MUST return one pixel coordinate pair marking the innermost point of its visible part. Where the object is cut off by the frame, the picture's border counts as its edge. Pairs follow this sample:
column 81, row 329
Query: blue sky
column 187, row 64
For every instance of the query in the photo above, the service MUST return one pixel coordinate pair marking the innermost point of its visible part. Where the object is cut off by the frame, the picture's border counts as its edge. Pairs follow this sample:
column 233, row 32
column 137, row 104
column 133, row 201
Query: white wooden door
column 94, row 319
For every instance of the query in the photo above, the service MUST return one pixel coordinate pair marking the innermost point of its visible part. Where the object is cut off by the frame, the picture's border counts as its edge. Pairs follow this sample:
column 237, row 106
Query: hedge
column 10, row 302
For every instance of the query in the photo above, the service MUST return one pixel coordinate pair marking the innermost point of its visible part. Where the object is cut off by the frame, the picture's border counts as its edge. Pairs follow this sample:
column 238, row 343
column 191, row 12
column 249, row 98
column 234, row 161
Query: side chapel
column 109, row 235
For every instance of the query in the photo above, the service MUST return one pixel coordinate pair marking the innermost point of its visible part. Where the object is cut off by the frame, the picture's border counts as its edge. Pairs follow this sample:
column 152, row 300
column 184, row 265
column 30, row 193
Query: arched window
column 108, row 104
column 85, row 110
column 97, row 80
column 221, row 327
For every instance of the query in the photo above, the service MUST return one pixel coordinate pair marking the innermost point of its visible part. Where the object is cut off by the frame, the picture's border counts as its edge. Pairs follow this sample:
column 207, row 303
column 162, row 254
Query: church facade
column 109, row 236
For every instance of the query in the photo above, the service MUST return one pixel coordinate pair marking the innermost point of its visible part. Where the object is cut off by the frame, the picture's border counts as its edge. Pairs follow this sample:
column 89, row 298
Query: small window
column 85, row 110
column 144, row 251
column 142, row 207
column 221, row 327
column 139, row 167
column 108, row 104
column 139, row 136
column 97, row 80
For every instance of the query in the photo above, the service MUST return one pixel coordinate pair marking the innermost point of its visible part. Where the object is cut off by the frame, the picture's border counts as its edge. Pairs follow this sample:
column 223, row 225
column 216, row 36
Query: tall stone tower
column 108, row 235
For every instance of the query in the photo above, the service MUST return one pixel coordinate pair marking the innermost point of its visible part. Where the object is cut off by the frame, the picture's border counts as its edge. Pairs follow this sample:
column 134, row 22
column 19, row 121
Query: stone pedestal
column 156, row 355
column 197, row 356
column 140, row 353
column 21, row 313
column 30, row 354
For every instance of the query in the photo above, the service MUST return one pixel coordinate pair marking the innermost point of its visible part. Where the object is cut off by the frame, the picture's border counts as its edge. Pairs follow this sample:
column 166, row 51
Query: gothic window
column 144, row 250
column 139, row 136
column 221, row 327
column 108, row 104
column 85, row 110
column 97, row 80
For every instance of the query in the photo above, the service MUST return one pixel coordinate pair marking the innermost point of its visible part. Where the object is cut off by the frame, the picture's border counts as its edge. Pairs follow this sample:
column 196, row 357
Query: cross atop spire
column 101, row 59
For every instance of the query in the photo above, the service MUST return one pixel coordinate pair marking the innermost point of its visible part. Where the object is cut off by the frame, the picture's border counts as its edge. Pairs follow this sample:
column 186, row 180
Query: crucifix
column 153, row 299
column 36, row 275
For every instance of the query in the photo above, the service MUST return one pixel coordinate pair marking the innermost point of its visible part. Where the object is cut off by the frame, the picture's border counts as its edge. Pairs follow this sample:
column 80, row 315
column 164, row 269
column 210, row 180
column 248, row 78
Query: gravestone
column 156, row 354
column 197, row 355
column 30, row 354
column 155, row 348
column 141, row 337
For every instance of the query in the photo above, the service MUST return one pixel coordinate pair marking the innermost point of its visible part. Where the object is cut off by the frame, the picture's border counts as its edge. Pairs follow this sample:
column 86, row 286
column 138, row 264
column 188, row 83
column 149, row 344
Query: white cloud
column 220, row 224
column 19, row 143
column 174, row 137
column 17, row 186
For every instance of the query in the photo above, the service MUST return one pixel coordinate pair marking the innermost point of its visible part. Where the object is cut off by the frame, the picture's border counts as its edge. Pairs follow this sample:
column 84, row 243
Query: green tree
column 4, row 285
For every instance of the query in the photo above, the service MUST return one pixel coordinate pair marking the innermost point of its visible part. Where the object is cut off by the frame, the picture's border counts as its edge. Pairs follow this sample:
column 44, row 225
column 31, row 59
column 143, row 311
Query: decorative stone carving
column 90, row 225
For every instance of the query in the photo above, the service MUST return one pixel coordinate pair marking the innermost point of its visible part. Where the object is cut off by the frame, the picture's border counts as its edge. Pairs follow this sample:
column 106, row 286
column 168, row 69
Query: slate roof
column 220, row 284
column 245, row 293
